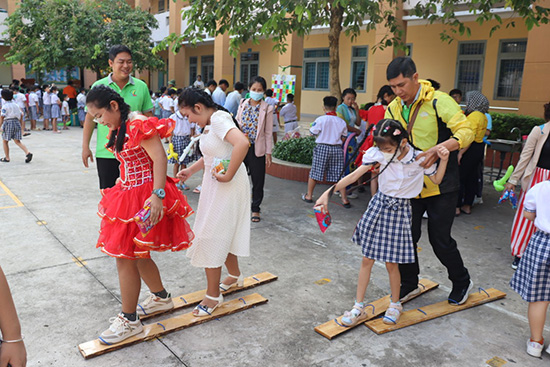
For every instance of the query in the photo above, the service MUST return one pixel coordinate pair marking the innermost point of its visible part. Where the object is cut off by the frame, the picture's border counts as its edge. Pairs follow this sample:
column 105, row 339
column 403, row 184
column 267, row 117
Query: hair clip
column 396, row 132
column 385, row 130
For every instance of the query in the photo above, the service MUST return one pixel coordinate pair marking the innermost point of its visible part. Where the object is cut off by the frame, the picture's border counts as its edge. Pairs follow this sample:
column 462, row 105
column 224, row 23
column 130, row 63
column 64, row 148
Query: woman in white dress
column 222, row 225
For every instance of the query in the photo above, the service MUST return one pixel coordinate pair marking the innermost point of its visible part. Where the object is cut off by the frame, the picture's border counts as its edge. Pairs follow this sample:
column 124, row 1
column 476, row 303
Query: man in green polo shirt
column 135, row 93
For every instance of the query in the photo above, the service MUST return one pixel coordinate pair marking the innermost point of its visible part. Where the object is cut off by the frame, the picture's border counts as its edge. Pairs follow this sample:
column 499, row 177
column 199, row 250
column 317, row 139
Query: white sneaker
column 478, row 200
column 534, row 349
column 153, row 304
column 121, row 329
column 353, row 196
column 548, row 349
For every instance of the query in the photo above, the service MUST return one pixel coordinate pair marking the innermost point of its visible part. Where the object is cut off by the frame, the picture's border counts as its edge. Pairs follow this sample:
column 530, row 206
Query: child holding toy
column 532, row 279
column 180, row 139
column 142, row 188
column 328, row 157
column 222, row 226
column 384, row 231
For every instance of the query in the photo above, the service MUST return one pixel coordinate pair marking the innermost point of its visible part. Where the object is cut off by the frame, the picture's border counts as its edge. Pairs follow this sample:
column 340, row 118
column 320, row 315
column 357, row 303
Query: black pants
column 469, row 173
column 441, row 213
column 108, row 171
column 256, row 169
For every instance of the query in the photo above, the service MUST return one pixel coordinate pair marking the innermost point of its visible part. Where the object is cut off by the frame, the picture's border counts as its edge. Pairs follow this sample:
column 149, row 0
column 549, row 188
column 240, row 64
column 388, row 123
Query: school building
column 511, row 66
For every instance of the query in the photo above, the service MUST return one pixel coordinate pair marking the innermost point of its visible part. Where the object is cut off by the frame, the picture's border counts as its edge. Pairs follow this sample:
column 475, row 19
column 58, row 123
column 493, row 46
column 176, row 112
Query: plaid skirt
column 47, row 111
column 56, row 111
column 11, row 129
column 384, row 231
column 329, row 160
column 532, row 279
column 180, row 142
column 34, row 112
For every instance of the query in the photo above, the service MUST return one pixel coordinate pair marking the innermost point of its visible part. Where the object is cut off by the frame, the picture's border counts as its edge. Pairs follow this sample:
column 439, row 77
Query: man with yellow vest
column 432, row 119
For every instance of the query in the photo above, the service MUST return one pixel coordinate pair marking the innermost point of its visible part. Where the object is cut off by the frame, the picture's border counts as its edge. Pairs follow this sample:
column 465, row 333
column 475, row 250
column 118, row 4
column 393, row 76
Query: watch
column 160, row 193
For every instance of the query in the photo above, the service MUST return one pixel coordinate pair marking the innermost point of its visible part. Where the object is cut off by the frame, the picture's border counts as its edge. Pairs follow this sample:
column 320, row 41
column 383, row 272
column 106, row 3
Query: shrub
column 299, row 150
column 504, row 122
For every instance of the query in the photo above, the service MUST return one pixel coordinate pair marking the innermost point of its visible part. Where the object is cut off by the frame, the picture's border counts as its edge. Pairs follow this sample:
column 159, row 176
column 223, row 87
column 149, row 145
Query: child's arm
column 13, row 350
column 155, row 150
column 240, row 147
column 443, row 154
column 529, row 215
column 343, row 183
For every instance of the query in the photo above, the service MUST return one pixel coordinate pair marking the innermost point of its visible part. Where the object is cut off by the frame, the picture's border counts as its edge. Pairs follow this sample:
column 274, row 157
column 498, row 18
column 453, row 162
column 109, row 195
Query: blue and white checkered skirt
column 47, row 111
column 56, row 111
column 532, row 279
column 34, row 112
column 180, row 142
column 384, row 231
column 11, row 129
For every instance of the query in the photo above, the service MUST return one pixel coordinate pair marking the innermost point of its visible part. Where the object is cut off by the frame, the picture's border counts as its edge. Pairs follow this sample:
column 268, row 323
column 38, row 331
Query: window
column 250, row 66
column 511, row 57
column 469, row 66
column 162, row 6
column 207, row 66
column 359, row 58
column 316, row 69
column 193, row 69
column 409, row 49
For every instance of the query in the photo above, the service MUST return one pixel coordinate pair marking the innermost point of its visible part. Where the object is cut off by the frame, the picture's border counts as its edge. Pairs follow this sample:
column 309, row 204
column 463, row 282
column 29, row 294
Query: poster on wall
column 60, row 76
column 283, row 85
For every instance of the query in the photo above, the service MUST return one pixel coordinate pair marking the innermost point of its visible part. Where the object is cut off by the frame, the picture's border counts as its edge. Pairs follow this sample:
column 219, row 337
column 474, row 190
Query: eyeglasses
column 98, row 120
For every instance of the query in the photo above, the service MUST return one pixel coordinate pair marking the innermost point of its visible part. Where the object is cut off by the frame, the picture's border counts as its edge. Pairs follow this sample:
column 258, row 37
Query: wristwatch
column 160, row 193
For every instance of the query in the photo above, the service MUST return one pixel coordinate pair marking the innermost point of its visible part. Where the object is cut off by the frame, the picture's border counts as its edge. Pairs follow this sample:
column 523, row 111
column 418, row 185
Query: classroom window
column 359, row 58
column 316, row 69
column 250, row 66
column 469, row 66
column 207, row 67
column 511, row 57
column 193, row 67
column 162, row 6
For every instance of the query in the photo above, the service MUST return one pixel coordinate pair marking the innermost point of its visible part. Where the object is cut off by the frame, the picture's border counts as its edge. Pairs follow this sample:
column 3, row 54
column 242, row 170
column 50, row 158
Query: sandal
column 28, row 158
column 239, row 283
column 393, row 313
column 346, row 205
column 5, row 160
column 255, row 218
column 205, row 310
column 355, row 315
column 304, row 198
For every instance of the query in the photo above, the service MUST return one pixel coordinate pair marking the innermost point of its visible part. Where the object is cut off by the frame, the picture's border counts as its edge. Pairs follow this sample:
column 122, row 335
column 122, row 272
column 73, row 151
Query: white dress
column 222, row 224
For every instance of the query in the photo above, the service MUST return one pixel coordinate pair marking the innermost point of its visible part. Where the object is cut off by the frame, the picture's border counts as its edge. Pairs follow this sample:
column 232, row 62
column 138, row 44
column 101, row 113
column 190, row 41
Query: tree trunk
column 336, row 18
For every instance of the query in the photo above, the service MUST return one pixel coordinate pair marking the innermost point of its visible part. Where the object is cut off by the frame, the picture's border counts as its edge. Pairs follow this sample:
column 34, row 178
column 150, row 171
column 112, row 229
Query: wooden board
column 192, row 299
column 95, row 348
column 435, row 310
column 333, row 328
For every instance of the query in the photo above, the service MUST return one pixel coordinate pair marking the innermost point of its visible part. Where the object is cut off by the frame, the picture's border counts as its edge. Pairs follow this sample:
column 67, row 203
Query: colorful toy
column 142, row 219
column 511, row 196
column 323, row 219
column 171, row 153
column 499, row 184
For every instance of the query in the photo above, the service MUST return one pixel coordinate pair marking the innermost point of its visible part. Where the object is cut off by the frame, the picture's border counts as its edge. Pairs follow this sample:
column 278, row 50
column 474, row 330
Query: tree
column 53, row 34
column 250, row 20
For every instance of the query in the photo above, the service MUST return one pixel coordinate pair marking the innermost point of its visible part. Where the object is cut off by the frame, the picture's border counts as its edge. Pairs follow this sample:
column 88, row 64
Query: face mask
column 388, row 156
column 257, row 96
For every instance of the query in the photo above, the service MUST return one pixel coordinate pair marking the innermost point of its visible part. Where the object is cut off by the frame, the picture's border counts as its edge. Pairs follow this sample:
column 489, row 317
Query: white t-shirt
column 20, row 99
column 65, row 108
column 47, row 99
column 198, row 84
column 54, row 99
column 208, row 91
column 329, row 130
column 403, row 178
column 183, row 126
column 288, row 112
column 218, row 96
column 33, row 99
column 539, row 193
column 165, row 103
column 81, row 100
column 10, row 110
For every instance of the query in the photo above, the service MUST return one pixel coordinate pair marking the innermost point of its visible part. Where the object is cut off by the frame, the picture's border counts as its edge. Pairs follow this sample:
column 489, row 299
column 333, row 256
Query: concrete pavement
column 66, row 290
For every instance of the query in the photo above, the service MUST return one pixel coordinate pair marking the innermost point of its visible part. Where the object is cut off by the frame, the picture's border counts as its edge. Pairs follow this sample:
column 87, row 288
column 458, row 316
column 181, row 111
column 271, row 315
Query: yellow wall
column 269, row 60
column 198, row 51
column 437, row 60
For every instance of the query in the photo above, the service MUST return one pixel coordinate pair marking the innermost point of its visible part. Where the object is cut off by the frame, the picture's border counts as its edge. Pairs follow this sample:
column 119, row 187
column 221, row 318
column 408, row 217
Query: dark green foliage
column 298, row 150
column 504, row 122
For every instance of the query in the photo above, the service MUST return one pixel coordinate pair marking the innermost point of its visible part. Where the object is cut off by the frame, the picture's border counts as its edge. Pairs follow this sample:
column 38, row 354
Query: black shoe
column 459, row 295
column 408, row 292
column 515, row 263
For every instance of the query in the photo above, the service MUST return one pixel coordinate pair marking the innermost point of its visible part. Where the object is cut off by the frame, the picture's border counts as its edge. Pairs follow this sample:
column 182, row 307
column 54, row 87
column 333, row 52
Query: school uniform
column 21, row 101
column 65, row 109
column 47, row 100
column 165, row 103
column 290, row 117
column 56, row 109
column 33, row 105
column 384, row 231
column 219, row 96
column 274, row 102
column 11, row 128
column 181, row 137
column 81, row 105
column 328, row 157
column 532, row 278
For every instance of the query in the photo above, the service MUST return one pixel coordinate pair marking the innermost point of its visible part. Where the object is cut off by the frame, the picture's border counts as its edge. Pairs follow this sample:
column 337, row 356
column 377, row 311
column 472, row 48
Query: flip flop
column 465, row 212
column 4, row 160
column 306, row 199
column 255, row 219
column 346, row 205
column 29, row 158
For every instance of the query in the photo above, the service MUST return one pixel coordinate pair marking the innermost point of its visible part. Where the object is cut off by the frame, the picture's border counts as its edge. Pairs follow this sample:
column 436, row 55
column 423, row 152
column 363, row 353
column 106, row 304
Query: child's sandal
column 393, row 313
column 5, row 160
column 355, row 315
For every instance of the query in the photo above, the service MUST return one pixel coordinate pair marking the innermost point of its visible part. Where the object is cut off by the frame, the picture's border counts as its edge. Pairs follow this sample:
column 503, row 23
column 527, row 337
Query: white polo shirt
column 20, row 99
column 288, row 112
column 403, row 178
column 47, row 98
column 33, row 99
column 329, row 130
column 183, row 126
column 539, row 193
column 10, row 110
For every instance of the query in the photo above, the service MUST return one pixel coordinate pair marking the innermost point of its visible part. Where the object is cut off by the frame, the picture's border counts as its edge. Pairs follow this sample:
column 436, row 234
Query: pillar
column 17, row 70
column 291, row 63
column 223, row 61
column 145, row 5
column 536, row 78
column 178, row 67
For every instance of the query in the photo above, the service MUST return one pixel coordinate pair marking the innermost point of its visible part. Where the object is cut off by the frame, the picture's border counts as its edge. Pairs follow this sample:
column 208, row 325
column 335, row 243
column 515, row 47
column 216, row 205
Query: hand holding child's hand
column 443, row 153
column 184, row 174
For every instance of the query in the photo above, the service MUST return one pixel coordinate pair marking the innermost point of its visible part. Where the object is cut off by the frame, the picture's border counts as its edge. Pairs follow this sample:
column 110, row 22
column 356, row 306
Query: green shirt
column 136, row 94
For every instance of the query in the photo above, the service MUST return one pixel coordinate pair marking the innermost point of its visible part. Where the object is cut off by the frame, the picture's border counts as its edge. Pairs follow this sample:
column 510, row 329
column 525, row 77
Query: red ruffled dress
column 119, row 234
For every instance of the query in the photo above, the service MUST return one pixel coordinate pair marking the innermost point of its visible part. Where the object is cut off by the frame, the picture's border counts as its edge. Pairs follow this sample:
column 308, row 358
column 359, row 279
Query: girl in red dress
column 136, row 142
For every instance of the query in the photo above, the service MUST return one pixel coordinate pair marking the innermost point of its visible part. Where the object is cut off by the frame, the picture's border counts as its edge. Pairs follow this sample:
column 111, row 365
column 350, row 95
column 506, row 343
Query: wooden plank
column 192, row 299
column 333, row 328
column 435, row 310
column 95, row 348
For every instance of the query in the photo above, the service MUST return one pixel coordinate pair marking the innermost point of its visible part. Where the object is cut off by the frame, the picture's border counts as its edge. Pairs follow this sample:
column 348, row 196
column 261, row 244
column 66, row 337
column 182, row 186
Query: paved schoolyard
column 66, row 290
